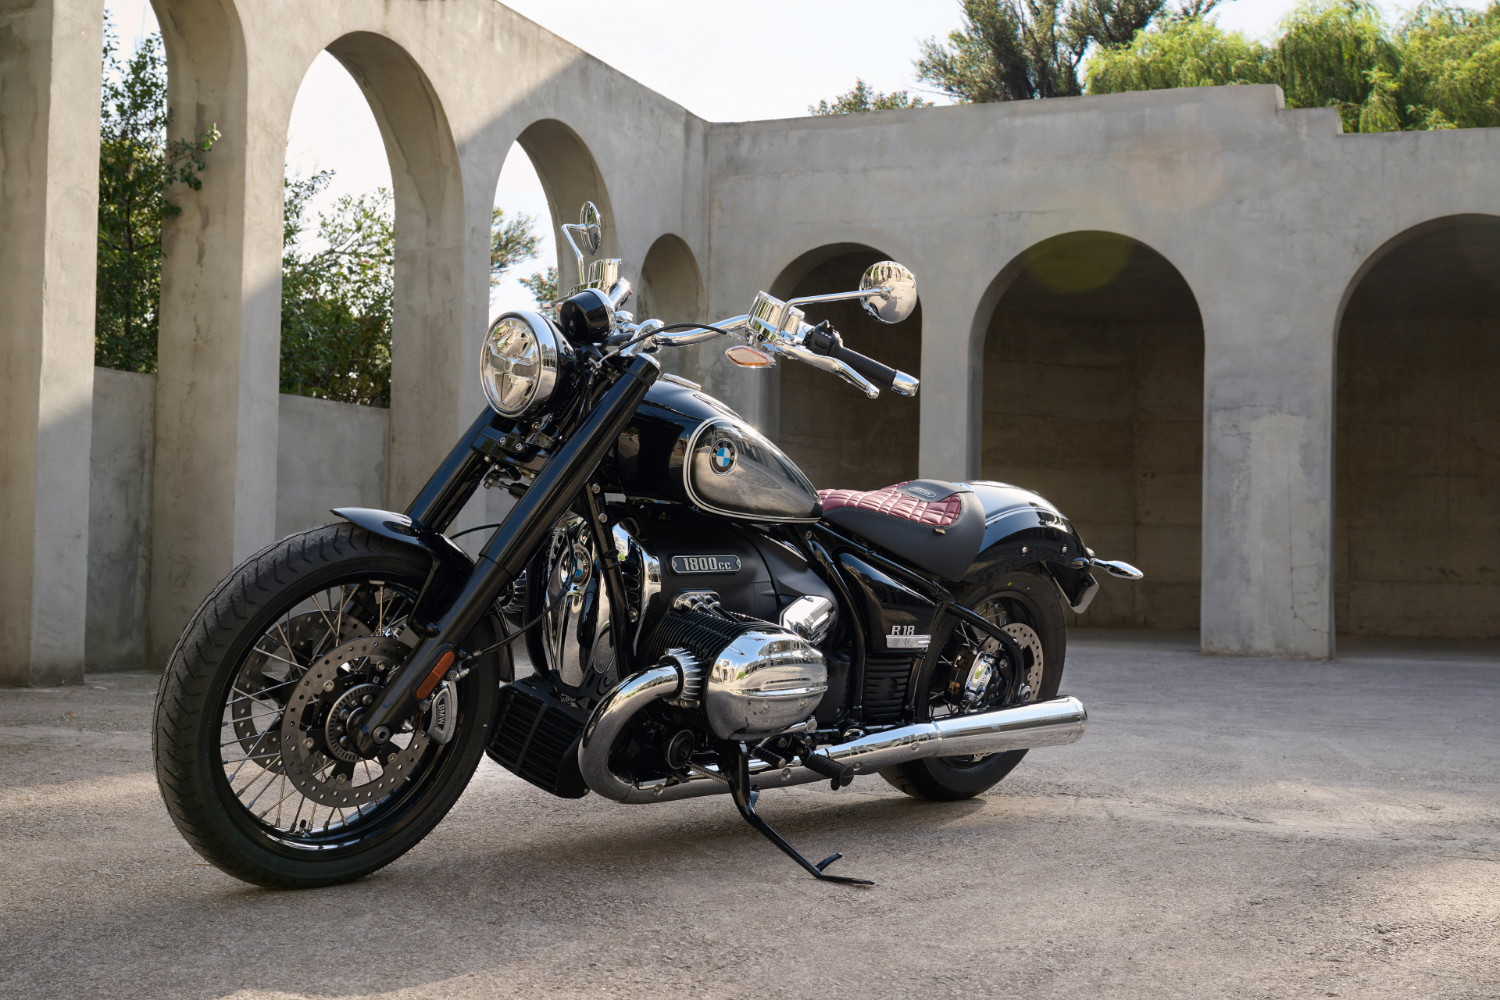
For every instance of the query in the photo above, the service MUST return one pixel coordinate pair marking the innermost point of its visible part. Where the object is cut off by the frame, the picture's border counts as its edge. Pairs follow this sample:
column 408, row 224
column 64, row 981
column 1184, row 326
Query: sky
column 722, row 61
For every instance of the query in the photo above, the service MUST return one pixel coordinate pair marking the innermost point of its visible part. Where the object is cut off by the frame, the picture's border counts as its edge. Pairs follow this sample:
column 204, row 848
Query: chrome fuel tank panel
column 733, row 470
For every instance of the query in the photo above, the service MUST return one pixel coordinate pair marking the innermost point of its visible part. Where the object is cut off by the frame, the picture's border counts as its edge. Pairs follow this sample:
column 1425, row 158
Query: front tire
column 260, row 806
column 1026, row 597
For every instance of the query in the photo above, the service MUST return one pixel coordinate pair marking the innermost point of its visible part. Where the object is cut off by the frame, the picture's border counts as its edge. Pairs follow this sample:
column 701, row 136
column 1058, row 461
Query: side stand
column 734, row 764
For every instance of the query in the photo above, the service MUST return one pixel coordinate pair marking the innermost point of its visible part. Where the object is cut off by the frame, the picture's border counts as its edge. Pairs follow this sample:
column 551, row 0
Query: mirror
column 900, row 297
column 588, row 224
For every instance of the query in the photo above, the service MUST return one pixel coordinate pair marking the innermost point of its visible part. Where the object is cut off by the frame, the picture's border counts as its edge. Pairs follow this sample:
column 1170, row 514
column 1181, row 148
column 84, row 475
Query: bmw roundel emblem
column 723, row 457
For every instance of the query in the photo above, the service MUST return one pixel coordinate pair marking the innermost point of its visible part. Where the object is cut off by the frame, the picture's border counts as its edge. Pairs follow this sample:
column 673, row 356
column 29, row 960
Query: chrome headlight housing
column 519, row 363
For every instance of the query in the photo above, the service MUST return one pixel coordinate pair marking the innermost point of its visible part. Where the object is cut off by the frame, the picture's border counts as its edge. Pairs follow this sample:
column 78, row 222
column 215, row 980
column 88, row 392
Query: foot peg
column 734, row 764
column 838, row 774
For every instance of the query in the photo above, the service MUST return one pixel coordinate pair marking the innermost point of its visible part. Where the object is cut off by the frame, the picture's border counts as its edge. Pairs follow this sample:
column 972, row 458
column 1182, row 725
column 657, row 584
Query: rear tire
column 1027, row 595
column 226, row 643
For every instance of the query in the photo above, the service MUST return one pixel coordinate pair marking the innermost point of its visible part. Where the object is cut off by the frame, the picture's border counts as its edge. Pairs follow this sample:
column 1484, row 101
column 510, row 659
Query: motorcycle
column 699, row 619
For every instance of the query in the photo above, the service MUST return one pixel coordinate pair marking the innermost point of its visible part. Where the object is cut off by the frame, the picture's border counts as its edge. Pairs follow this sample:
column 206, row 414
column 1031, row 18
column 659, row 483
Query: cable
column 673, row 326
column 519, row 632
column 460, row 534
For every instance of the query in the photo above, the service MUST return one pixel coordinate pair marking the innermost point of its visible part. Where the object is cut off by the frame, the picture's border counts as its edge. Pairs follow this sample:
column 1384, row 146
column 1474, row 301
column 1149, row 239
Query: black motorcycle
column 698, row 618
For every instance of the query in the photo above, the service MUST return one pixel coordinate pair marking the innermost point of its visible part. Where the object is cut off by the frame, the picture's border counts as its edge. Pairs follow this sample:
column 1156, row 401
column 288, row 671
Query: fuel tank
column 685, row 446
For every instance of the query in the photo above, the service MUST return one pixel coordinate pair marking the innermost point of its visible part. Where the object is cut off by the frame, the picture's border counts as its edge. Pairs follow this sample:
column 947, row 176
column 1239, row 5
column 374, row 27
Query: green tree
column 336, row 295
column 1015, row 50
column 543, row 287
column 1183, row 52
column 137, row 168
column 510, row 242
column 1451, row 66
column 1338, row 53
column 865, row 98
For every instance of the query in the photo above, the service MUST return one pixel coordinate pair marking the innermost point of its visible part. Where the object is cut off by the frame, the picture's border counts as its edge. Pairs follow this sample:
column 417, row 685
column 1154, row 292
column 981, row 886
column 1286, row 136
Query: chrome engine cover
column 763, row 682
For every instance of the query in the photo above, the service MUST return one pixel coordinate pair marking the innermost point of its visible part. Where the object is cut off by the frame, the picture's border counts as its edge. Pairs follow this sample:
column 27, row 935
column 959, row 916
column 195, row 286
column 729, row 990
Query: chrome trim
column 664, row 680
column 811, row 617
column 1120, row 568
column 1056, row 722
column 547, row 360
column 904, row 384
column 678, row 379
column 763, row 683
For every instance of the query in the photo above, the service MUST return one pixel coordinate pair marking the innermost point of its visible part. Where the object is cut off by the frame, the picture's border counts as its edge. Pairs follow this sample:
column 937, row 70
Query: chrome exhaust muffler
column 1055, row 722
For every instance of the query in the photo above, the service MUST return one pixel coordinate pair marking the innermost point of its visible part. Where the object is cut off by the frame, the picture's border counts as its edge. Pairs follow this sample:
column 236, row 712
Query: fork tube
column 510, row 547
column 454, row 481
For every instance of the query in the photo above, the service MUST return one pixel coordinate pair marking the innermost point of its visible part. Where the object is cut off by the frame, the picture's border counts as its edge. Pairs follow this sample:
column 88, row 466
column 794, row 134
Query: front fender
column 451, row 565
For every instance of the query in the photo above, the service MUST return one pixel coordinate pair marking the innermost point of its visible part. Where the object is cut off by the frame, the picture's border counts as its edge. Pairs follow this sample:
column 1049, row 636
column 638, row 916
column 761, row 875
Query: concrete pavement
column 1228, row 827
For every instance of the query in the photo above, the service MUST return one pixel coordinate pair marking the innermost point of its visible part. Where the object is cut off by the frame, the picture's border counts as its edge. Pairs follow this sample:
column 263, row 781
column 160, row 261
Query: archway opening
column 337, row 301
column 569, row 176
column 1093, row 397
column 839, row 438
column 1417, row 523
column 523, row 248
column 672, row 290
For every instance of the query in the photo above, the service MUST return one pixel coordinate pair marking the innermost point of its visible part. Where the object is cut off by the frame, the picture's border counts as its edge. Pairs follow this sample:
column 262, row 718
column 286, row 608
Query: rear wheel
column 250, row 730
column 1025, row 604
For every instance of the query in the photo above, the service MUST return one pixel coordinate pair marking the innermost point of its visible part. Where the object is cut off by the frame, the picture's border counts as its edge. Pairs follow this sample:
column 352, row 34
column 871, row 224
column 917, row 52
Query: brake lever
column 833, row 365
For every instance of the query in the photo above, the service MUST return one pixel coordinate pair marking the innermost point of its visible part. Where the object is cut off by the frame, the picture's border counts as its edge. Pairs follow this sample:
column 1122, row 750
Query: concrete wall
column 840, row 438
column 328, row 455
column 120, row 462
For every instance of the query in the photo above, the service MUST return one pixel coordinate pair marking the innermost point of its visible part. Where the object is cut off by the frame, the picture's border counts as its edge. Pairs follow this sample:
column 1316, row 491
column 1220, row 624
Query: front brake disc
column 330, row 775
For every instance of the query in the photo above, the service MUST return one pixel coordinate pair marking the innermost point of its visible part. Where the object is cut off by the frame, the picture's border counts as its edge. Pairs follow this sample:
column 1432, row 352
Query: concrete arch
column 571, row 176
column 1092, row 344
column 1417, row 474
column 428, row 363
column 672, row 283
column 840, row 438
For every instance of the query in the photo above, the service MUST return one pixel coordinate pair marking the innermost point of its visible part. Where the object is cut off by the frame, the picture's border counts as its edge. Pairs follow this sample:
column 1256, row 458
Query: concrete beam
column 49, row 163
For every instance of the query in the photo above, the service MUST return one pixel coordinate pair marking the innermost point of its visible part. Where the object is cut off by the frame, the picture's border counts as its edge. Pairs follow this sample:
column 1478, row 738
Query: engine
column 750, row 679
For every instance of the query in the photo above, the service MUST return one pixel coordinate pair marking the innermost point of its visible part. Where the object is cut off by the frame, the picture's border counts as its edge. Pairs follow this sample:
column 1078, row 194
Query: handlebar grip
column 825, row 340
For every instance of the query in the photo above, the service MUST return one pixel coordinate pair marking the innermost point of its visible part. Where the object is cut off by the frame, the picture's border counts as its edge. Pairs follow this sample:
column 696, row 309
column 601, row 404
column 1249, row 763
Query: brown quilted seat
column 891, row 501
column 933, row 525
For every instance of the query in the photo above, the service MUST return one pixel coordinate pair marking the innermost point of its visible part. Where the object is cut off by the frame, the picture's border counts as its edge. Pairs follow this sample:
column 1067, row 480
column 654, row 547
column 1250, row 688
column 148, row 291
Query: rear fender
column 451, row 565
column 1021, row 528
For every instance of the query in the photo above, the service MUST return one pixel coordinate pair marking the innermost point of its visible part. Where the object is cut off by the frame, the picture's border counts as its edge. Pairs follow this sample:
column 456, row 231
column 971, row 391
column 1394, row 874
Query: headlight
column 518, row 365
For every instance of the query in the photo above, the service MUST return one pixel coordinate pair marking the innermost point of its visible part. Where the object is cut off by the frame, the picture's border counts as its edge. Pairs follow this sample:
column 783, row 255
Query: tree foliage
column 863, row 97
column 1015, row 50
column 336, row 295
column 137, row 168
column 1439, row 68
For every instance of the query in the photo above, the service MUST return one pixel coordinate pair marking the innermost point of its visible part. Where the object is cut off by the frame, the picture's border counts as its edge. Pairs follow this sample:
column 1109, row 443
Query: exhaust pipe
column 1056, row 722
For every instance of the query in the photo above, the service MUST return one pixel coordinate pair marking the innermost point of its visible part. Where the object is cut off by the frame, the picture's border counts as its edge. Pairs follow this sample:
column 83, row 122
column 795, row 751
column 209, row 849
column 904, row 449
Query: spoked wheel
column 252, row 755
column 1025, row 604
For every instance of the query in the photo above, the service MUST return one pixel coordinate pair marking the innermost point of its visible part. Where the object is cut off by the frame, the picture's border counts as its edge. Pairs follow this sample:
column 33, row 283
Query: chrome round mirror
column 899, row 296
column 593, row 233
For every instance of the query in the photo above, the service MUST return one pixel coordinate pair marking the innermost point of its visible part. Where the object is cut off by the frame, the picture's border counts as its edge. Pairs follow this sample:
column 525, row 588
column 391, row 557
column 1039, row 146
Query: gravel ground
column 1227, row 828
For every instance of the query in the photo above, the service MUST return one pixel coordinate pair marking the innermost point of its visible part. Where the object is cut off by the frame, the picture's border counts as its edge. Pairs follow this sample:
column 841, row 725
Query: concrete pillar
column 49, row 199
column 214, row 469
column 951, row 396
column 1268, row 474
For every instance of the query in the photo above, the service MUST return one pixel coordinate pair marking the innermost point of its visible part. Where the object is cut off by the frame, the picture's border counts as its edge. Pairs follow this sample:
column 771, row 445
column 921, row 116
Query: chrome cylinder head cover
column 763, row 683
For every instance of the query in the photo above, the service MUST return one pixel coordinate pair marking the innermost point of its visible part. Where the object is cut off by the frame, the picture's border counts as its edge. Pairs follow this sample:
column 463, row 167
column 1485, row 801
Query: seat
column 934, row 525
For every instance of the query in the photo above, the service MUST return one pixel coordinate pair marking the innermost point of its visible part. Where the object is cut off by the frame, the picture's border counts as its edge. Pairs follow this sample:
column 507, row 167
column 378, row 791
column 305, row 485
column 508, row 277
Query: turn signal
column 749, row 357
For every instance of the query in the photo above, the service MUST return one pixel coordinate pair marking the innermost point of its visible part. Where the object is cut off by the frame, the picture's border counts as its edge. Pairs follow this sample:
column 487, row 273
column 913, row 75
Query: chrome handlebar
column 771, row 329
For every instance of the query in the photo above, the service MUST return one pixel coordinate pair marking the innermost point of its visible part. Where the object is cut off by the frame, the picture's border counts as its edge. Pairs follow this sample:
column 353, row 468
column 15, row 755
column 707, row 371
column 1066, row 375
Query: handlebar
column 825, row 340
column 819, row 346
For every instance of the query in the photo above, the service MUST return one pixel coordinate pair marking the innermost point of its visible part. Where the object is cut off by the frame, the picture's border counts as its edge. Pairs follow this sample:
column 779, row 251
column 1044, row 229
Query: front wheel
column 249, row 732
column 1025, row 604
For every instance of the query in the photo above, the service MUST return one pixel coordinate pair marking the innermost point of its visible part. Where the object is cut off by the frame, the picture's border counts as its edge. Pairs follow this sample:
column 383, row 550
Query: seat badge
column 905, row 637
column 723, row 457
column 705, row 564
